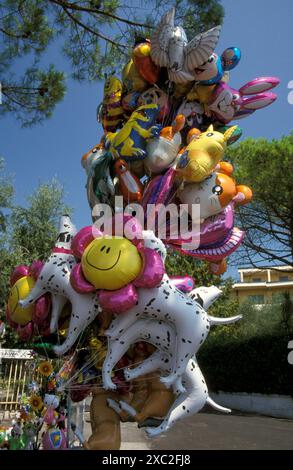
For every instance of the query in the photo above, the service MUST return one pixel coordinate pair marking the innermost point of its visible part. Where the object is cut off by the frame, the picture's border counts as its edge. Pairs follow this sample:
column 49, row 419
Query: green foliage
column 30, row 234
column 251, row 355
column 257, row 364
column 34, row 96
column 81, row 31
column 34, row 228
column 6, row 194
column 268, row 219
column 287, row 312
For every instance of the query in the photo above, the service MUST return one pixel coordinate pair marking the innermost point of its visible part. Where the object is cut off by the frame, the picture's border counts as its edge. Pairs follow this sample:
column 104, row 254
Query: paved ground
column 209, row 431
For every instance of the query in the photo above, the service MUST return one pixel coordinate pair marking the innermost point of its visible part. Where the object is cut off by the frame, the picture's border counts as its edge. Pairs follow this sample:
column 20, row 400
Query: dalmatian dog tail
column 223, row 321
column 217, row 407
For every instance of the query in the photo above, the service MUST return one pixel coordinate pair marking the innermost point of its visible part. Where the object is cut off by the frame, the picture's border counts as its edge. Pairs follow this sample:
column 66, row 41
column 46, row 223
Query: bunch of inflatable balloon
column 166, row 128
column 165, row 135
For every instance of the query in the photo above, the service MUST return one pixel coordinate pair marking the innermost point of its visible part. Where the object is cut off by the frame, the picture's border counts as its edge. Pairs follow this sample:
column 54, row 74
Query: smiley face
column 111, row 263
column 19, row 291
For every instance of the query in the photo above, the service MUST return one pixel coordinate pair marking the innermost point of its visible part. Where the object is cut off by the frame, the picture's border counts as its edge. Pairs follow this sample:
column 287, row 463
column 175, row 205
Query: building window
column 257, row 299
column 256, row 279
column 283, row 279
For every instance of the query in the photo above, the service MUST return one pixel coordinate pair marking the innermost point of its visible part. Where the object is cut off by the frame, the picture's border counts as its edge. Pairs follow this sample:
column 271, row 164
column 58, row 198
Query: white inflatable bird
column 170, row 48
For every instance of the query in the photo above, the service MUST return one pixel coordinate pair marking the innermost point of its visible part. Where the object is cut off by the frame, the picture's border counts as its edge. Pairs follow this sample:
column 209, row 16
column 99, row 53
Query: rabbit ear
column 259, row 85
column 243, row 113
column 258, row 101
column 243, row 196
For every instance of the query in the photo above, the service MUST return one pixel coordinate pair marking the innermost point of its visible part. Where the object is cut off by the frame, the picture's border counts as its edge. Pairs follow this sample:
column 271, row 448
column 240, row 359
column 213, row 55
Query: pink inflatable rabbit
column 227, row 103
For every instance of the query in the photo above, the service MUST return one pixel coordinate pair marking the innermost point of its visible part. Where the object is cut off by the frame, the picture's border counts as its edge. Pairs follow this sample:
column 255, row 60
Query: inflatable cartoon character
column 215, row 192
column 202, row 154
column 111, row 111
column 170, row 48
column 212, row 71
column 157, row 96
column 163, row 150
column 226, row 103
column 130, row 142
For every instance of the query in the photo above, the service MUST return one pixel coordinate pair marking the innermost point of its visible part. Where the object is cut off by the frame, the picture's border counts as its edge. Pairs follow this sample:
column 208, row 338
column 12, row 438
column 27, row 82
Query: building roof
column 266, row 285
column 257, row 270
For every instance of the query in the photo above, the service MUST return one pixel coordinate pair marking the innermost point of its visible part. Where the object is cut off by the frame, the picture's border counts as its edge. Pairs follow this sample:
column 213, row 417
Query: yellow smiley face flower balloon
column 111, row 263
column 19, row 291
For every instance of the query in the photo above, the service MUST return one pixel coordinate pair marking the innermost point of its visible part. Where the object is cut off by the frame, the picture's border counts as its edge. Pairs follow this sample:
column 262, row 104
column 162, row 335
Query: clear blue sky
column 262, row 29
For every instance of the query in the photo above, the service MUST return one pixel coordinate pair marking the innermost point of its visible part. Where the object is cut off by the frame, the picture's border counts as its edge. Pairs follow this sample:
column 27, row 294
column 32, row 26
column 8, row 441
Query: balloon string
column 98, row 376
column 41, row 340
column 94, row 358
column 97, row 386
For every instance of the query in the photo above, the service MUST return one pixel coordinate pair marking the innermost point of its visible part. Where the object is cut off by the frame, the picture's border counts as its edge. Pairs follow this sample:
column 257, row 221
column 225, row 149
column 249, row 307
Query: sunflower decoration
column 45, row 368
column 36, row 402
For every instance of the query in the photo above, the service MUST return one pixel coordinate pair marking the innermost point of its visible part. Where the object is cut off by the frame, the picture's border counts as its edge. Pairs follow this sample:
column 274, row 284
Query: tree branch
column 92, row 31
column 74, row 6
column 11, row 35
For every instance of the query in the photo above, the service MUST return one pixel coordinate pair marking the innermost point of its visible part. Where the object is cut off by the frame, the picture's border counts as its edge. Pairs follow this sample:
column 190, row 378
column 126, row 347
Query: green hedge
column 257, row 364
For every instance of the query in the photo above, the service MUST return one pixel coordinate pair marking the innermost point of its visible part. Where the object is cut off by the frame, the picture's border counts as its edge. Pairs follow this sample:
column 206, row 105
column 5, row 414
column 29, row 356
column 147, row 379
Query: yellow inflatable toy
column 19, row 291
column 131, row 78
column 202, row 154
column 111, row 263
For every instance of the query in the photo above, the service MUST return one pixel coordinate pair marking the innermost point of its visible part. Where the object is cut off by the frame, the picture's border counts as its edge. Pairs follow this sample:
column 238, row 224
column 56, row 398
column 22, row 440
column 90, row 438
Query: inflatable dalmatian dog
column 188, row 403
column 192, row 391
column 189, row 317
column 55, row 278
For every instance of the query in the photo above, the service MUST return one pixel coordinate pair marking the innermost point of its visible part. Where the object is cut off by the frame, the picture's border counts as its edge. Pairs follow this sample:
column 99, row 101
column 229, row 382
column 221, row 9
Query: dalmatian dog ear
column 205, row 296
column 151, row 241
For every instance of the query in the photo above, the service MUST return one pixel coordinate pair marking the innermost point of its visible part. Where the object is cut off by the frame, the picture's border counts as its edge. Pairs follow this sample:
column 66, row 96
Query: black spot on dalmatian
column 61, row 264
column 198, row 299
column 150, row 302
